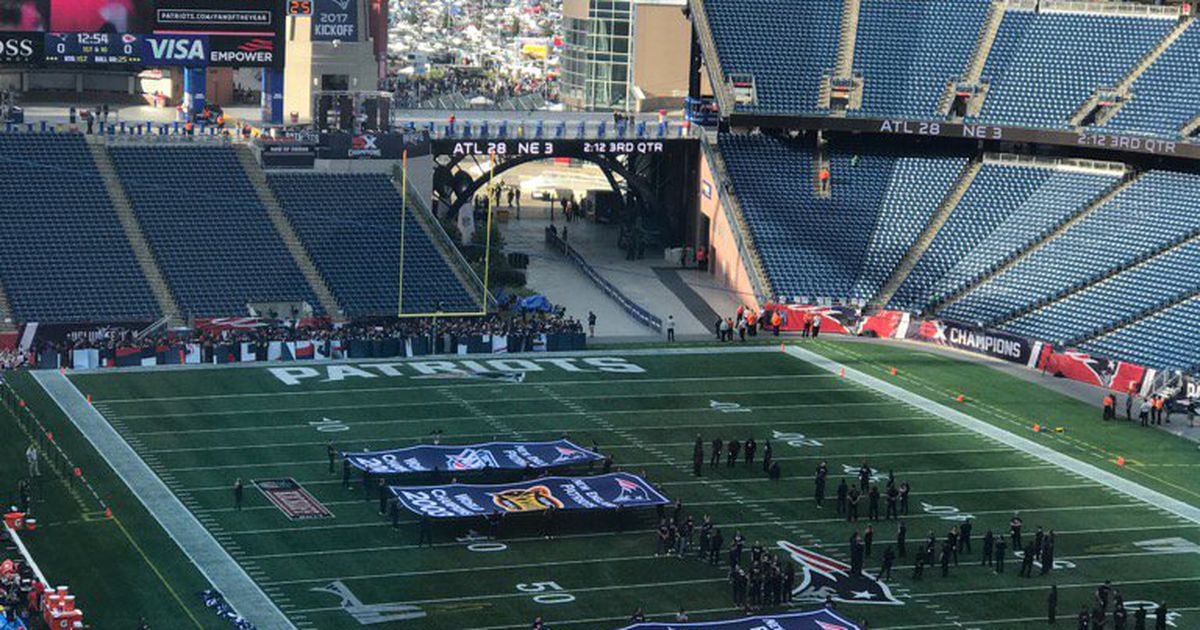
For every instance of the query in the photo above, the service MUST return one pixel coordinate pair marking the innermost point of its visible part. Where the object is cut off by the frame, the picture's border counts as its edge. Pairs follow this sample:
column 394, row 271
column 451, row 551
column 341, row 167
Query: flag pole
column 403, row 223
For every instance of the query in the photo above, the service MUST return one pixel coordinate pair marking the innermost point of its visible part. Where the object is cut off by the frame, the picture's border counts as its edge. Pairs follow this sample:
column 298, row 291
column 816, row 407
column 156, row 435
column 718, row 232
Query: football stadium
column 599, row 314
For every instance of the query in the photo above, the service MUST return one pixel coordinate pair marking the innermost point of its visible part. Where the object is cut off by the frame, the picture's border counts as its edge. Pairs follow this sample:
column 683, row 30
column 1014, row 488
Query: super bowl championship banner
column 489, row 456
column 812, row 620
column 458, row 500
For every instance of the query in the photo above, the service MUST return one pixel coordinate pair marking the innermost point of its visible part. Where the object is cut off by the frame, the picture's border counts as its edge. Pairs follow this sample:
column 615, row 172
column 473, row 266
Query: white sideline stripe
column 1025, row 621
column 1137, row 491
column 213, row 562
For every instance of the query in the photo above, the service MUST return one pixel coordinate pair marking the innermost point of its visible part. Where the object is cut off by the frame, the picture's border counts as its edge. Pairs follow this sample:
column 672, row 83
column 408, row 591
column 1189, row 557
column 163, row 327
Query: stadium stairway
column 1123, row 88
column 1191, row 127
column 900, row 273
column 6, row 324
column 845, row 57
column 133, row 231
column 258, row 179
column 983, row 47
column 1083, row 212
column 441, row 241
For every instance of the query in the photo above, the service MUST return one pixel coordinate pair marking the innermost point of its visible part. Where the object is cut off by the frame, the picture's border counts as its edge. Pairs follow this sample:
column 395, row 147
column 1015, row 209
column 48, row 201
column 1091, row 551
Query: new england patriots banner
column 812, row 620
column 492, row 455
column 602, row 492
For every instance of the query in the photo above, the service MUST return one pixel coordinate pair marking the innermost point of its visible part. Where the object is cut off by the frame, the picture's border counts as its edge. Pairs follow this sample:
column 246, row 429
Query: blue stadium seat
column 1164, row 96
column 908, row 50
column 1043, row 66
column 350, row 225
column 65, row 257
column 1164, row 341
column 211, row 236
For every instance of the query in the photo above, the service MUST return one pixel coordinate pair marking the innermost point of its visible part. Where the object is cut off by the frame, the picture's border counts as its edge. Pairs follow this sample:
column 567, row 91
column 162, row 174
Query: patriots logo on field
column 567, row 454
column 471, row 459
column 631, row 492
column 824, row 576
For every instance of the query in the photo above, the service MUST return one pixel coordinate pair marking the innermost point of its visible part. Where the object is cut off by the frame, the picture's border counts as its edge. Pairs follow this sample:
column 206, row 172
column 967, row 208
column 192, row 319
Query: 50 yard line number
column 547, row 592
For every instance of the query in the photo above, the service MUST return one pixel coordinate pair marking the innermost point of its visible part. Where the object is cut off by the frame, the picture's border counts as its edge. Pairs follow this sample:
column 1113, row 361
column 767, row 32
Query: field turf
column 200, row 429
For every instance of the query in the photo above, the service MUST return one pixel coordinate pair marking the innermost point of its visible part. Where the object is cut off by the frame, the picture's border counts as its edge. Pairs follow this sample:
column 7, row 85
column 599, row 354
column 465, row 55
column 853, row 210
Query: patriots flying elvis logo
column 471, row 459
column 824, row 576
column 630, row 492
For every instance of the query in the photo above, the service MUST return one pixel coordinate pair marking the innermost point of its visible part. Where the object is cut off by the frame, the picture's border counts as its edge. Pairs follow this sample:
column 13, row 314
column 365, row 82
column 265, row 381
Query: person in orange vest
column 701, row 258
column 220, row 121
column 776, row 321
column 1109, row 407
column 807, row 323
column 752, row 322
column 189, row 128
column 1158, row 410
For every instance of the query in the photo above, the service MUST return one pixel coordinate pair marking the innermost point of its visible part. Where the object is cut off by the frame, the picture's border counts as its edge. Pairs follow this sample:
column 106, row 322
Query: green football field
column 200, row 429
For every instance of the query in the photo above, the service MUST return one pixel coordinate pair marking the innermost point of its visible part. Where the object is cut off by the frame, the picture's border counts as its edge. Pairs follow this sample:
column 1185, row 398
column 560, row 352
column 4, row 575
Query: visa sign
column 176, row 49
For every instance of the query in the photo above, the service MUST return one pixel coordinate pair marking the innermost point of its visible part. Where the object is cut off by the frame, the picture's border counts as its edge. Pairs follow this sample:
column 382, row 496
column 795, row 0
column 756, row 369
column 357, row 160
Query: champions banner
column 812, row 620
column 602, row 492
column 988, row 342
column 493, row 455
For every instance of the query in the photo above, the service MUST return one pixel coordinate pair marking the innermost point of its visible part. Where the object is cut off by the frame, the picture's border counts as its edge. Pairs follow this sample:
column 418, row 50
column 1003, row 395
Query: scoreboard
column 94, row 48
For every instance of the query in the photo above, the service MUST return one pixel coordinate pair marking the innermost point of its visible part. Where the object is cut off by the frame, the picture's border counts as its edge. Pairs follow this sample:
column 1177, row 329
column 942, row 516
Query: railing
column 635, row 310
column 1012, row 159
column 438, row 233
column 1108, row 8
column 561, row 130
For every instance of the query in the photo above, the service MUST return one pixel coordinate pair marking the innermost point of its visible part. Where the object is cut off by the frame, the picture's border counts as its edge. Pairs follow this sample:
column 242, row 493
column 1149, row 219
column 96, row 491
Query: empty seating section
column 1164, row 96
column 1005, row 208
column 1153, row 211
column 65, row 257
column 350, row 225
column 1161, row 280
column 1043, row 66
column 908, row 50
column 817, row 247
column 1165, row 340
column 212, row 238
column 787, row 46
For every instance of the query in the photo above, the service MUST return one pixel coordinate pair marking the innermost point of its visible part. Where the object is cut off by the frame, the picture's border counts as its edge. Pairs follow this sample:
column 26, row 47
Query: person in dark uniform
column 1039, row 537
column 952, row 540
column 1160, row 617
column 864, row 477
column 868, row 538
column 331, row 453
column 767, row 454
column 663, row 535
column 756, row 552
column 1099, row 617
column 735, row 548
column 930, row 550
column 366, row 485
column 425, row 529
column 1014, row 530
column 1001, row 548
column 1120, row 618
column 893, row 496
column 789, row 581
column 346, row 473
column 734, row 448
column 989, row 541
column 1048, row 553
column 697, row 456
column 904, row 490
column 964, row 536
column 238, row 492
column 852, row 505
column 1027, row 561
column 714, row 548
column 889, row 558
column 774, row 473
column 394, row 512
column 947, row 550
column 856, row 554
column 1052, row 605
column 842, row 490
column 706, row 528
column 1103, row 594
column 749, row 449
column 1083, row 619
column 819, row 486
column 383, row 496
column 901, row 540
column 717, row 448
column 919, row 567
column 873, row 503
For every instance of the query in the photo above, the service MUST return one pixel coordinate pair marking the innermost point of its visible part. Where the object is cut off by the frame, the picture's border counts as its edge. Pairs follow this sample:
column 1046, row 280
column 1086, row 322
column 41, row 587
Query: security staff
column 749, row 449
column 715, row 458
column 989, row 541
column 841, row 496
column 901, row 538
column 238, row 493
column 819, row 486
column 332, row 454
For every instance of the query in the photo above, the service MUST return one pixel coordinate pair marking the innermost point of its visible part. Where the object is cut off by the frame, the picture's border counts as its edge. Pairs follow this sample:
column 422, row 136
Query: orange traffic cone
column 1037, row 428
column 781, row 347
column 892, row 371
column 89, row 398
column 108, row 512
column 842, row 372
column 1120, row 461
column 960, row 398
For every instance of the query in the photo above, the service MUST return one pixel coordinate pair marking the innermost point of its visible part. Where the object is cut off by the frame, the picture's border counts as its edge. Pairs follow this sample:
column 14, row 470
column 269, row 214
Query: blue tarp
column 458, row 500
column 535, row 303
column 813, row 620
column 459, row 458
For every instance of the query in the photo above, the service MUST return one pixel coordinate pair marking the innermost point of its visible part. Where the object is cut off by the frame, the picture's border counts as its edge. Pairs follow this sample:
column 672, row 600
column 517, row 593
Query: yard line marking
column 1025, row 621
column 213, row 562
column 1141, row 493
column 381, row 524
column 1042, row 587
column 648, row 464
column 291, row 428
column 430, row 403
column 410, row 387
column 322, row 443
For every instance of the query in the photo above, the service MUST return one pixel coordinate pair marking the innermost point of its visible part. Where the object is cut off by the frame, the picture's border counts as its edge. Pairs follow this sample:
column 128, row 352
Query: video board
column 243, row 33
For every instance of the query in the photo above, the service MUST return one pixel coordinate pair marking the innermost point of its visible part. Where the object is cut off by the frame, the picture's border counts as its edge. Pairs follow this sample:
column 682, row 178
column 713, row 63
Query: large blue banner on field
column 813, row 620
column 492, row 455
column 460, row 500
